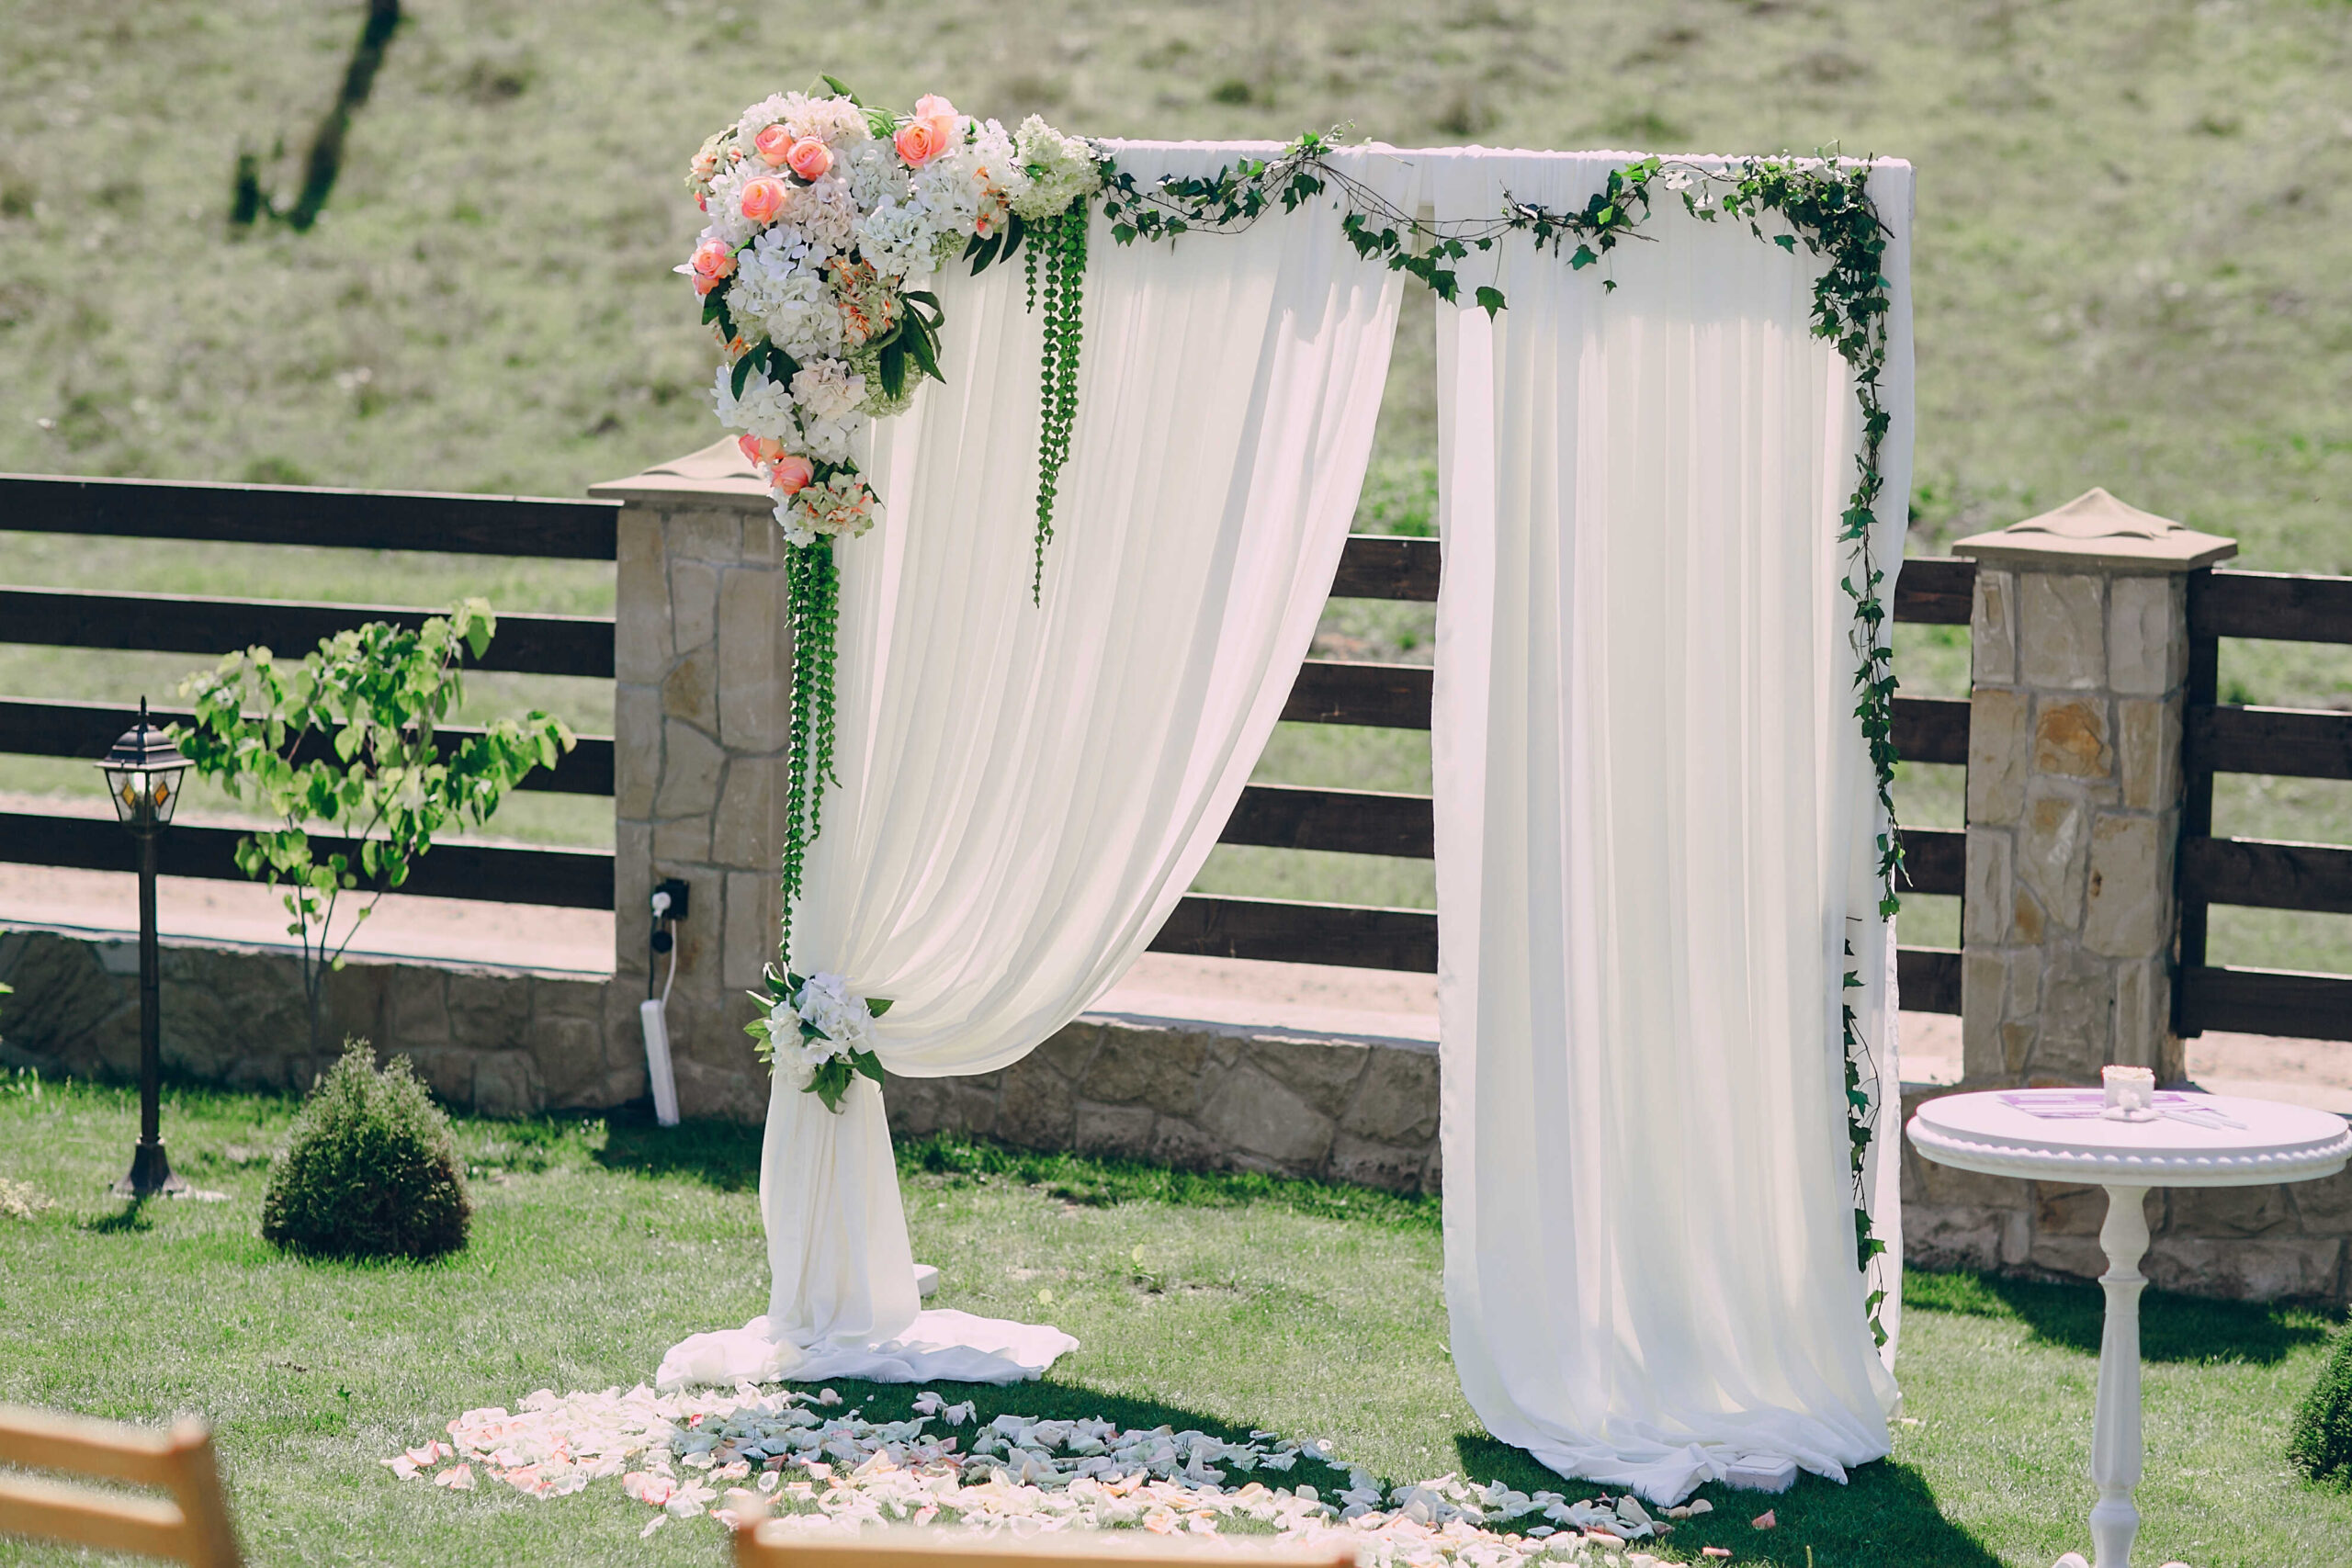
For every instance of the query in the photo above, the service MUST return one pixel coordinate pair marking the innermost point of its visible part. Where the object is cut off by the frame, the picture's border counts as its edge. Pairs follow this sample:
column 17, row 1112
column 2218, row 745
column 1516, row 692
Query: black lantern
column 143, row 775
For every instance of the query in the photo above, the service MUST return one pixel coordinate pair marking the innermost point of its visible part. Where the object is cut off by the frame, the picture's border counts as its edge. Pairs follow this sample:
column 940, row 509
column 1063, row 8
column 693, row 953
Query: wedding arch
column 1104, row 410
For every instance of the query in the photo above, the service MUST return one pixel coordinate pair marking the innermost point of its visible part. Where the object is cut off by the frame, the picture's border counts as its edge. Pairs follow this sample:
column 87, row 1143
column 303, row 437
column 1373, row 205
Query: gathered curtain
column 1026, row 792
column 1656, row 845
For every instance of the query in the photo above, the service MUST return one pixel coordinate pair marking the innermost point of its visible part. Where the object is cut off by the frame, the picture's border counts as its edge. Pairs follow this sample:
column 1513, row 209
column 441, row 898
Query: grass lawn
column 1219, row 1303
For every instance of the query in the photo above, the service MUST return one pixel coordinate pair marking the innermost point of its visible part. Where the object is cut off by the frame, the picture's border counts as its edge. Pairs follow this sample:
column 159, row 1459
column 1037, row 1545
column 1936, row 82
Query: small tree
column 2320, row 1441
column 370, row 1169
column 349, row 738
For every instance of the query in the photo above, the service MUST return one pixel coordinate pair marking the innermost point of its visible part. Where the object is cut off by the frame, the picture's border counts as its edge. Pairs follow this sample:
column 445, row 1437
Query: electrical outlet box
column 677, row 890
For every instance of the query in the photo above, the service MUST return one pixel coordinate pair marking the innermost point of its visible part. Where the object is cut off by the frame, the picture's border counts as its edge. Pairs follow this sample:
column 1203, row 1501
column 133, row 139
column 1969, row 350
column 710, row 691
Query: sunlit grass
column 1227, row 1302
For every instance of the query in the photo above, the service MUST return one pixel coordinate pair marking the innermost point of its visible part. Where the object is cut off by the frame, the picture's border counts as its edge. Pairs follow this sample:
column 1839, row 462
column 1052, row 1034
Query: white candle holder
column 2131, row 1094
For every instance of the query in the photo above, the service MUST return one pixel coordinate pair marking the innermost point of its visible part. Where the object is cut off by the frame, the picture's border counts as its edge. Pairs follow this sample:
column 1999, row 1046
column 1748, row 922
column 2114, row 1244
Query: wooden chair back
column 771, row 1545
column 192, row 1528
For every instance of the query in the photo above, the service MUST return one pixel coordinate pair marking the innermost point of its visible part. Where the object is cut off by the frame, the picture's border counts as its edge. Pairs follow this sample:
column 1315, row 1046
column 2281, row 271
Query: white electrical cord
column 653, row 1015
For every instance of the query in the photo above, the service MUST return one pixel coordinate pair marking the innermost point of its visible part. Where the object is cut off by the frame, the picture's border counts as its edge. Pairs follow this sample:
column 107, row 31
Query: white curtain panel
column 1654, row 825
column 1026, row 792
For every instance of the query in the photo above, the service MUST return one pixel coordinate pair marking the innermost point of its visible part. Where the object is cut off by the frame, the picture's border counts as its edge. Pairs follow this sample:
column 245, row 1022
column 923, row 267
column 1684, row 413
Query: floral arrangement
column 825, row 216
column 819, row 1030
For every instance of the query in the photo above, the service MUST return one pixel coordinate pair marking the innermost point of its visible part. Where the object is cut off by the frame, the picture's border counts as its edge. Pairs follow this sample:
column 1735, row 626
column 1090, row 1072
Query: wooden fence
column 2302, row 743
column 1927, row 729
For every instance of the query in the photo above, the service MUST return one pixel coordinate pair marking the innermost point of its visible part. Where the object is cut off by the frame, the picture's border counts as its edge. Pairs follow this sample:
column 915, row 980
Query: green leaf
column 877, row 1005
column 1490, row 300
column 868, row 1063
column 742, row 376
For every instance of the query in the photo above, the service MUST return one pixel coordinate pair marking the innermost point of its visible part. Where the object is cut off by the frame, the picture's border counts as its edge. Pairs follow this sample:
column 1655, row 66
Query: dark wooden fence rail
column 2254, row 873
column 1348, row 821
column 1927, row 729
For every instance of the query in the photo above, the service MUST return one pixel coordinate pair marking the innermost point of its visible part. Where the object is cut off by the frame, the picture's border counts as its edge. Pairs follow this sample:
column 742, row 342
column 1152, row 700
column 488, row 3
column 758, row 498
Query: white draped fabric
column 1026, row 792
column 1654, row 825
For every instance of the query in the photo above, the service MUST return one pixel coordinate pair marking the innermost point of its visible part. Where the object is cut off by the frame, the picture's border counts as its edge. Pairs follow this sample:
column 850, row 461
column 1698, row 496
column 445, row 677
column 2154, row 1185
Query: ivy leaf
column 1786, row 241
column 1490, row 300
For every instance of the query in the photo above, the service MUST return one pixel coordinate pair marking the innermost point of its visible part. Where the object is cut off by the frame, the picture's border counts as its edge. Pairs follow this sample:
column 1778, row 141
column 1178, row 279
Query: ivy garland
column 812, row 598
column 1827, row 207
column 1062, row 240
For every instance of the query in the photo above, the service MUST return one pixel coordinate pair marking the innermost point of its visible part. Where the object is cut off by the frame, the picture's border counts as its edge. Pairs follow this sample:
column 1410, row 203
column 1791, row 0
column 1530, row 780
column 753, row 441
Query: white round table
column 2197, row 1140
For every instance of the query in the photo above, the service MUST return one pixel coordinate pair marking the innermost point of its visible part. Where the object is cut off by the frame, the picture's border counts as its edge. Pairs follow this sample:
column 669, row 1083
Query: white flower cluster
column 843, row 1019
column 1054, row 169
column 750, row 1453
column 820, row 214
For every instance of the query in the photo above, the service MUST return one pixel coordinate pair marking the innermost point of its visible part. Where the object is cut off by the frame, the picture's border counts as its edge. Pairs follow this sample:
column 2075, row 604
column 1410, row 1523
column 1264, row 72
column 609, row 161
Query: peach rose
column 792, row 474
column 919, row 141
column 773, row 143
column 758, row 449
column 713, row 259
column 809, row 158
column 941, row 114
column 764, row 198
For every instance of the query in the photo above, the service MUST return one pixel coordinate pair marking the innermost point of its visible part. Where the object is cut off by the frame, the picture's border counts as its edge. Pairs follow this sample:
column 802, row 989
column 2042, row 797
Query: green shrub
column 370, row 1169
column 2321, row 1445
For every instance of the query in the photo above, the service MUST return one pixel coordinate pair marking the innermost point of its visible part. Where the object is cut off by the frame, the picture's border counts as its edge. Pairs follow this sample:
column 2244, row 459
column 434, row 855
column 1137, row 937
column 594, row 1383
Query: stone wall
column 2288, row 1242
column 1203, row 1095
column 499, row 1042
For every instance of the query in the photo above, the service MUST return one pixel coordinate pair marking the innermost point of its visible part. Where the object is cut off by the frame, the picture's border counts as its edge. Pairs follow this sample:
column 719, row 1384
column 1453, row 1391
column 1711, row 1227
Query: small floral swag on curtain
column 824, row 211
column 818, row 1030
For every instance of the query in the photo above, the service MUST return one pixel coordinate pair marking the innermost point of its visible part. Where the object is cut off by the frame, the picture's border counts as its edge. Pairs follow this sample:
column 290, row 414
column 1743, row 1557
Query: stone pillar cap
column 2096, row 530
column 717, row 475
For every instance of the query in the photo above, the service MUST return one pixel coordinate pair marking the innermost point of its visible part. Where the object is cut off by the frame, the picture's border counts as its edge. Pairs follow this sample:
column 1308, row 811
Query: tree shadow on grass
column 2172, row 1328
column 724, row 1155
column 1884, row 1514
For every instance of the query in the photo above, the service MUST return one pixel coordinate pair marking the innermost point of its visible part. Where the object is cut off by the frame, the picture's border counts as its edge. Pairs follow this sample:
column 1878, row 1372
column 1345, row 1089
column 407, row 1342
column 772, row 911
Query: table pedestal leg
column 2115, row 1433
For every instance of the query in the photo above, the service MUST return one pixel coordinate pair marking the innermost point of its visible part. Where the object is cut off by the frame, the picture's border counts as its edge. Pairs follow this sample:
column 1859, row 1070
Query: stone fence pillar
column 2075, row 792
column 701, row 716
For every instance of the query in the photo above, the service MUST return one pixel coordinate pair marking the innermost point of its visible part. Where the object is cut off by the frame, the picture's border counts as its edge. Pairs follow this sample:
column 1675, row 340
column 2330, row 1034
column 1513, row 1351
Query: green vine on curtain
column 1825, row 206
column 1059, row 243
column 812, row 597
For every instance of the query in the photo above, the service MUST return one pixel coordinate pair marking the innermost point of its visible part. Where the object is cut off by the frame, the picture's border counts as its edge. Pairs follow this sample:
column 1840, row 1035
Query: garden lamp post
column 142, row 776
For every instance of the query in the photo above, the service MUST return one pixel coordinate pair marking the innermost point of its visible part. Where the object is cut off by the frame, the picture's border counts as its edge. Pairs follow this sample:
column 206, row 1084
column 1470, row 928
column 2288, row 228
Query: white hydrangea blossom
column 827, row 391
column 841, row 1013
column 777, row 286
column 873, row 174
column 764, row 409
column 1054, row 169
column 825, row 213
column 899, row 240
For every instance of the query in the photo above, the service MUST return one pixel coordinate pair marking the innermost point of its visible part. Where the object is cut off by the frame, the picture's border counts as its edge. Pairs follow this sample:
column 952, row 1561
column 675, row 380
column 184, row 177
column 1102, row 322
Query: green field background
column 2131, row 263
